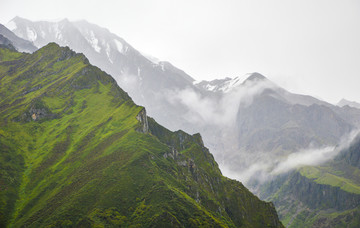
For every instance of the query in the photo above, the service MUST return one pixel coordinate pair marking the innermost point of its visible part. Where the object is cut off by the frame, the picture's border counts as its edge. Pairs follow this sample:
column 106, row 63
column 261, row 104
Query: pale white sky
column 306, row 46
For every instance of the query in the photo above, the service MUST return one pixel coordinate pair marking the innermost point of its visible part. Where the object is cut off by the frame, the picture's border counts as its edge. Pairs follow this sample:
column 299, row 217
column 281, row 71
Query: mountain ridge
column 343, row 102
column 21, row 44
column 327, row 195
column 76, row 151
column 250, row 127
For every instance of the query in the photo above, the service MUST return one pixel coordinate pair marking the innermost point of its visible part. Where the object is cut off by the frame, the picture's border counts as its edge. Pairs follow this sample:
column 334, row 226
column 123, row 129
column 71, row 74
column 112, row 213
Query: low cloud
column 304, row 158
column 264, row 166
column 220, row 110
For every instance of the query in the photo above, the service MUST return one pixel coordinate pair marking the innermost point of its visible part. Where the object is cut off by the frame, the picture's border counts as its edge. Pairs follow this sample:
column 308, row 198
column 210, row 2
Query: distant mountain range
column 133, row 71
column 250, row 125
column 344, row 102
column 238, row 117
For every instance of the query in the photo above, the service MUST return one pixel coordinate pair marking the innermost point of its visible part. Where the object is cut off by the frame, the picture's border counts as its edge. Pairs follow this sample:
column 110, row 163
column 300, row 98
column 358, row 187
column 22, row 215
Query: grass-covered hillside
column 321, row 196
column 75, row 151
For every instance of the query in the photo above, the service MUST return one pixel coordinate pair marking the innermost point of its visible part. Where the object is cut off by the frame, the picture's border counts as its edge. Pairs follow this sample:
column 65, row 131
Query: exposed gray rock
column 142, row 118
column 37, row 114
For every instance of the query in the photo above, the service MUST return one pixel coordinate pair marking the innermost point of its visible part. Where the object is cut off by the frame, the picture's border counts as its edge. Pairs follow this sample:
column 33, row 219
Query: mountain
column 264, row 123
column 249, row 123
column 75, row 151
column 6, row 43
column 235, row 117
column 320, row 196
column 344, row 102
column 19, row 43
column 278, row 133
column 130, row 68
column 228, row 84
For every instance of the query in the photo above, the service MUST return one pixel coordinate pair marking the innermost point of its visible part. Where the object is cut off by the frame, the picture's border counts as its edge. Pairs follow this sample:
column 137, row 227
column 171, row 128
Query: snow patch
column 93, row 41
column 230, row 85
column 108, row 53
column 162, row 65
column 210, row 87
column 31, row 34
column 11, row 25
column 57, row 31
column 225, row 85
column 119, row 46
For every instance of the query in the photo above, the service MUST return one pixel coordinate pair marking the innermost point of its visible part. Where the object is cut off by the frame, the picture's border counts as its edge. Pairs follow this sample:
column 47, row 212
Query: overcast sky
column 306, row 46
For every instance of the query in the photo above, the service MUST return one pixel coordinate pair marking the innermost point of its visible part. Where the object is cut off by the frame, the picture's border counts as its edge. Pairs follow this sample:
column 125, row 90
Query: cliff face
column 75, row 151
column 142, row 118
column 321, row 196
column 351, row 156
column 202, row 168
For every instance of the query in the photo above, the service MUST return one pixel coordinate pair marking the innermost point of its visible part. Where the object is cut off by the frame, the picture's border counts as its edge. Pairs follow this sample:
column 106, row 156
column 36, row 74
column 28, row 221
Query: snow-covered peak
column 231, row 84
column 71, row 33
column 217, row 85
column 228, row 84
column 254, row 77
column 106, row 49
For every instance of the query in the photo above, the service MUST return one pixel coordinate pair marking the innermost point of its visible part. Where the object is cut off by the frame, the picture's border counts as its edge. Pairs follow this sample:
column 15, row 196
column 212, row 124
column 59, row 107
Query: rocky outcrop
column 37, row 114
column 196, row 165
column 37, row 111
column 142, row 118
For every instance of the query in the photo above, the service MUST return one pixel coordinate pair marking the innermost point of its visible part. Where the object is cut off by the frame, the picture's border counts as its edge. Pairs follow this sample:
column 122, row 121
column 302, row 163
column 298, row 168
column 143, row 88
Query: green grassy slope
column 321, row 196
column 336, row 175
column 75, row 151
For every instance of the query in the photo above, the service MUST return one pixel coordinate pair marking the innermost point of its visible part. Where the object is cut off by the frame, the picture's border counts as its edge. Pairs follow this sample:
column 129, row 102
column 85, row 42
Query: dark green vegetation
column 75, row 151
column 321, row 196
